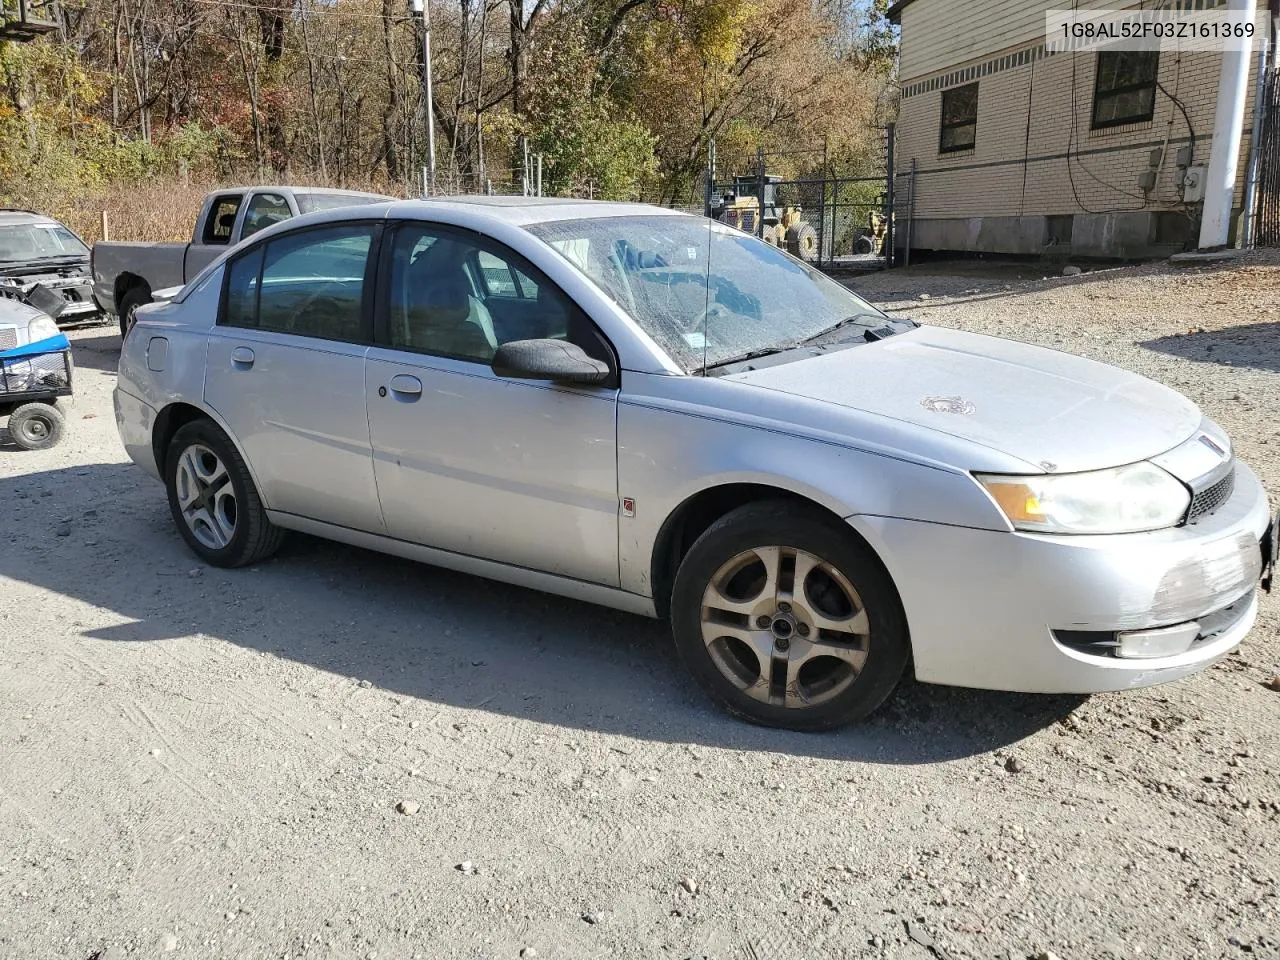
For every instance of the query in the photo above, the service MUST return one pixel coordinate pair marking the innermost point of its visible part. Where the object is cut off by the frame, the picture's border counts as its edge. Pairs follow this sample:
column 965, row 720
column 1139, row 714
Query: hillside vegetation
column 137, row 106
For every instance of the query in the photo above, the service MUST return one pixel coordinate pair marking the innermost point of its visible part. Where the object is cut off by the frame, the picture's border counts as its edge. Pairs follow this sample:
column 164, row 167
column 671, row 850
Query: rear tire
column 36, row 426
column 128, row 306
column 807, row 656
column 213, row 500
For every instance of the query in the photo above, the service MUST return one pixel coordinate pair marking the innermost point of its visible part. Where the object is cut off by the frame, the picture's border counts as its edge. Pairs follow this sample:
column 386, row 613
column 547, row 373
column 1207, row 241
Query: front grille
column 8, row 338
column 1212, row 497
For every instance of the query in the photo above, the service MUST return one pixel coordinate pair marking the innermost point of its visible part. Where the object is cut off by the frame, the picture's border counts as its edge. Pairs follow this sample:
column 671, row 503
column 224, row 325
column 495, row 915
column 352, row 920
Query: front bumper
column 983, row 607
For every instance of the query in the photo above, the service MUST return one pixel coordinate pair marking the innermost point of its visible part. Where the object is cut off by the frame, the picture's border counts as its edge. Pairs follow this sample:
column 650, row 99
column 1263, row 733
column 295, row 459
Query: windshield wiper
column 856, row 318
column 749, row 355
column 51, row 257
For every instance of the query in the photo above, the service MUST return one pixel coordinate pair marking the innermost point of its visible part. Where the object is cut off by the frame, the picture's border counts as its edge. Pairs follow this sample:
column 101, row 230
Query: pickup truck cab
column 126, row 275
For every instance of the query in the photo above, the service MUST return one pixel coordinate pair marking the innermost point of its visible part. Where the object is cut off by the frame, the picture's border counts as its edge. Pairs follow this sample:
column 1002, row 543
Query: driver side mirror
column 556, row 360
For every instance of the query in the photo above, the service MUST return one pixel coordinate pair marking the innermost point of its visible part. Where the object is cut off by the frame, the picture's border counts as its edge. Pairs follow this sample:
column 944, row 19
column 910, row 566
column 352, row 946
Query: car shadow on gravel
column 1248, row 345
column 98, row 352
column 101, row 534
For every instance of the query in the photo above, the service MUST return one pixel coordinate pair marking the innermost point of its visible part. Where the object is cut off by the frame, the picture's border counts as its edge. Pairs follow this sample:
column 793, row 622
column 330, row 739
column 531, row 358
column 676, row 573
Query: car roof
column 488, row 212
column 267, row 187
column 12, row 217
column 524, row 211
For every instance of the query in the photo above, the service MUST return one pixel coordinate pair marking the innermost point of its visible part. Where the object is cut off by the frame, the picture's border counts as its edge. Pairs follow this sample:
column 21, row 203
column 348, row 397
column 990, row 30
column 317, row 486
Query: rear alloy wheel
column 213, row 499
column 207, row 496
column 788, row 620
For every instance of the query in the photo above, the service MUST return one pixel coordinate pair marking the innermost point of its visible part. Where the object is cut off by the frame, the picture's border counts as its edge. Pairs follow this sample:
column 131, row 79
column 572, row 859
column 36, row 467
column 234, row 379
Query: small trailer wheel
column 36, row 426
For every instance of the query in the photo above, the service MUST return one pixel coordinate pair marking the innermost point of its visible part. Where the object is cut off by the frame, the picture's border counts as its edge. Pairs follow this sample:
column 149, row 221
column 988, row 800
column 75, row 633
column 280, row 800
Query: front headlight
column 41, row 328
column 1127, row 499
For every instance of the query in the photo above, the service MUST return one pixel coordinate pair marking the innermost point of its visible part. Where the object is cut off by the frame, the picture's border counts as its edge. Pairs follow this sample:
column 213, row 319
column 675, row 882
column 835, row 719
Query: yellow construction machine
column 784, row 227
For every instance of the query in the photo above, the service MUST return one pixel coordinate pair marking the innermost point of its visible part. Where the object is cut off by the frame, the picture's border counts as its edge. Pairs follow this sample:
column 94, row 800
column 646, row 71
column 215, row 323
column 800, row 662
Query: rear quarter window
column 240, row 306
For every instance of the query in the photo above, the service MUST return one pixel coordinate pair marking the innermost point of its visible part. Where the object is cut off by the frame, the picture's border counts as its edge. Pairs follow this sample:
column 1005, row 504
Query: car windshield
column 706, row 293
column 22, row 242
column 315, row 202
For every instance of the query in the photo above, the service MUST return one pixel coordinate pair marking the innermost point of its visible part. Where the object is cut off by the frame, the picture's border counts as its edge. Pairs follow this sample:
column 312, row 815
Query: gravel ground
column 340, row 755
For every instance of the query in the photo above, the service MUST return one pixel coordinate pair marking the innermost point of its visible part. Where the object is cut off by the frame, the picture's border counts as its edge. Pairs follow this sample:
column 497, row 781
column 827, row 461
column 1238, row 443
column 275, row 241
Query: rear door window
column 310, row 283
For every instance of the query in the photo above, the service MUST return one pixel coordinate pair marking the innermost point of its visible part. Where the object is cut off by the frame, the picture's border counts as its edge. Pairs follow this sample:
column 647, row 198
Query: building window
column 959, row 118
column 1125, row 90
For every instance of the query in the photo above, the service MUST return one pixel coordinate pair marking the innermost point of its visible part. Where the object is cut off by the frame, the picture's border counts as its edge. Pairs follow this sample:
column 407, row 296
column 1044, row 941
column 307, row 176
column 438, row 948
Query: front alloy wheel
column 787, row 618
column 785, row 626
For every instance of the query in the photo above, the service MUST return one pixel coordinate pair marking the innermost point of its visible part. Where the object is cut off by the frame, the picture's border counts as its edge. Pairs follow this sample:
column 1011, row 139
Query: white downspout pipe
column 1228, row 127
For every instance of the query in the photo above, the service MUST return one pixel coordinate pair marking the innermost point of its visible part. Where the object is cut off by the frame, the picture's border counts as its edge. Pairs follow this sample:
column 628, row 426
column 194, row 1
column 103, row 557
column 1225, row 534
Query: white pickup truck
column 125, row 275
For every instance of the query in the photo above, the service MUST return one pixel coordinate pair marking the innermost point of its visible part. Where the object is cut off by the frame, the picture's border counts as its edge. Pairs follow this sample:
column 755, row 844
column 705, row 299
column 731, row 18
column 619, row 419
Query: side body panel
column 180, row 333
column 296, row 405
column 521, row 472
column 678, row 436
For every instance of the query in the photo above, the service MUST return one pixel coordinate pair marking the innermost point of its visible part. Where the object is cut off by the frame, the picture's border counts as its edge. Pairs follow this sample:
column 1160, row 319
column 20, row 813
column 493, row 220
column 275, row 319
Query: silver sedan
column 658, row 413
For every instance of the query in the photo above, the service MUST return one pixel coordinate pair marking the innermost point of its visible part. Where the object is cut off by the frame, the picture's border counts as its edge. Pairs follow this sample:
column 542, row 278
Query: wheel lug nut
column 802, row 629
column 784, row 607
column 763, row 622
column 782, row 643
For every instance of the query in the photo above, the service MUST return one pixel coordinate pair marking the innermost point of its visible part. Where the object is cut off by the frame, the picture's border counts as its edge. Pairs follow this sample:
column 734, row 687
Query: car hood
column 13, row 313
column 1057, row 412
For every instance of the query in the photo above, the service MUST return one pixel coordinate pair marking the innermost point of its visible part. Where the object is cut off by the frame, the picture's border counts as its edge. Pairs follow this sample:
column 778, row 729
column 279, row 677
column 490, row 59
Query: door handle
column 406, row 386
column 242, row 358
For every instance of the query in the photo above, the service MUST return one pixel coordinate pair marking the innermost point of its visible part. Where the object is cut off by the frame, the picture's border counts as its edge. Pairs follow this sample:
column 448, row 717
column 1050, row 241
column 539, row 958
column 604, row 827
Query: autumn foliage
column 137, row 106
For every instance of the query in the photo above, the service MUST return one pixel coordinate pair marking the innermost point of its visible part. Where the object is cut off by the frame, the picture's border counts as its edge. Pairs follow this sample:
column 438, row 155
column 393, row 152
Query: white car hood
column 1057, row 412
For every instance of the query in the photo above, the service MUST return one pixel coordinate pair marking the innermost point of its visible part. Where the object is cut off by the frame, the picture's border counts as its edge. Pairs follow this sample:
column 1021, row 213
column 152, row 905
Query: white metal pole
column 1228, row 127
column 539, row 164
column 429, row 110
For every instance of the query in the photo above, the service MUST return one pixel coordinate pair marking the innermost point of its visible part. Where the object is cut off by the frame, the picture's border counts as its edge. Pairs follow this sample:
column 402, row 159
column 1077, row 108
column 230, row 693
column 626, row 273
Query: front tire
column 787, row 620
column 213, row 500
column 36, row 426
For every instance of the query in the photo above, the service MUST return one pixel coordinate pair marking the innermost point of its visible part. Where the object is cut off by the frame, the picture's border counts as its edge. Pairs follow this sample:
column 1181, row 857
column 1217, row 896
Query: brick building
column 1020, row 150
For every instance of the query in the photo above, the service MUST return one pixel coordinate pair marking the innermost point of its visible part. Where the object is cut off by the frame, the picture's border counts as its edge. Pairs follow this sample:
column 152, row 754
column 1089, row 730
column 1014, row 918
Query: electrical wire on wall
column 1026, row 142
column 1073, row 143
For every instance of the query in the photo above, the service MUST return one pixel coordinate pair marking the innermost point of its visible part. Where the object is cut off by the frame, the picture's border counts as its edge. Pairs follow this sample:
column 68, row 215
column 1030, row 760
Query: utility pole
column 423, row 7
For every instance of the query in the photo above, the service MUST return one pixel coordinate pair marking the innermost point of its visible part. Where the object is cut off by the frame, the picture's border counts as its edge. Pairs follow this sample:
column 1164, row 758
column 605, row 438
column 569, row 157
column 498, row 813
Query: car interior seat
column 438, row 311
